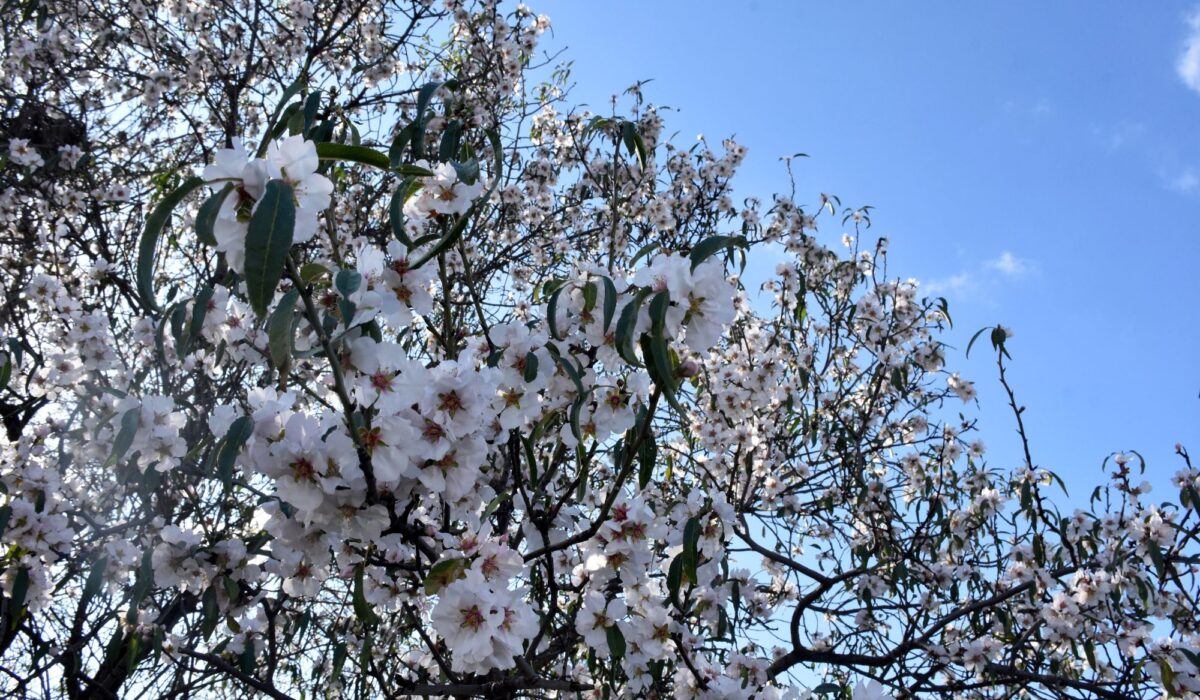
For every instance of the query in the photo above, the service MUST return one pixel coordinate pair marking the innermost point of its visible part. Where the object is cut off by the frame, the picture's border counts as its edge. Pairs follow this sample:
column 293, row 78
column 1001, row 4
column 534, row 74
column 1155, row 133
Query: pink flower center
column 472, row 618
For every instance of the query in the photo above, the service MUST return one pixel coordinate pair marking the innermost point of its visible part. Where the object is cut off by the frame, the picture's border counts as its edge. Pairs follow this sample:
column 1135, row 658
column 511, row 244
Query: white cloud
column 1186, row 181
column 1119, row 135
column 980, row 281
column 957, row 285
column 1188, row 65
column 1009, row 264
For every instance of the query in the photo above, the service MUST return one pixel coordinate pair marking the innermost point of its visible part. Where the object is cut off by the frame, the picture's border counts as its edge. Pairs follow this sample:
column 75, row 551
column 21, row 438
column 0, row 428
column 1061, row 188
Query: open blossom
column 443, row 193
column 964, row 388
column 21, row 153
column 390, row 286
column 701, row 299
column 869, row 690
column 483, row 627
column 293, row 160
column 595, row 617
column 435, row 465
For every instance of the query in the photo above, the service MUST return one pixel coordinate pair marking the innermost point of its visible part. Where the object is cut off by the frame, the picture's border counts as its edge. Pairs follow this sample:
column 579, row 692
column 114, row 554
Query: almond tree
column 344, row 358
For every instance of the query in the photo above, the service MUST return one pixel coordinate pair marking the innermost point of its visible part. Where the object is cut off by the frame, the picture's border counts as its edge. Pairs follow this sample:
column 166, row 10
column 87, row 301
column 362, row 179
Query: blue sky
column 1036, row 163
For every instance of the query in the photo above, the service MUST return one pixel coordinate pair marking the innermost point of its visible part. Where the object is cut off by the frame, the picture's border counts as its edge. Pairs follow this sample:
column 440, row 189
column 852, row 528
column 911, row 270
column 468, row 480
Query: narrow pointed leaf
column 709, row 247
column 616, row 642
column 199, row 313
column 279, row 330
column 267, row 242
column 94, row 580
column 610, row 301
column 627, row 325
column 363, row 609
column 237, row 435
column 148, row 246
column 129, row 426
column 206, row 218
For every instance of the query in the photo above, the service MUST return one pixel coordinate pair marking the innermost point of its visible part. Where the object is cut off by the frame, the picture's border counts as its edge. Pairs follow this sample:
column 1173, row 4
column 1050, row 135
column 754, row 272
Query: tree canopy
column 344, row 357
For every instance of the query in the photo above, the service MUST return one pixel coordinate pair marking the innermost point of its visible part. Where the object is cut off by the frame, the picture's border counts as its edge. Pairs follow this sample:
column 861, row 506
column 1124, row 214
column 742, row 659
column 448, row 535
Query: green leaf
column 339, row 658
column 647, row 456
column 17, row 349
column 135, row 650
column 206, row 218
column 407, row 188
column 267, row 242
column 633, row 141
column 657, row 353
column 366, row 654
column 451, row 135
column 589, row 296
column 311, row 272
column 569, row 367
column 273, row 123
column 658, row 362
column 552, row 312
column 20, row 589
column 574, row 416
column 658, row 313
column 292, row 120
column 1168, row 676
column 363, row 610
column 444, row 573
column 5, row 515
column 411, row 170
column 974, row 338
column 396, row 152
column 177, row 316
column 227, row 451
column 451, row 237
column 467, row 171
column 142, row 583
column 94, row 580
column 155, row 223
column 210, row 612
column 423, row 98
column 827, row 688
column 1156, row 556
column 610, row 301
column 347, row 282
column 709, row 247
column 691, row 549
column 232, row 591
column 945, row 308
column 312, row 104
column 129, row 426
column 626, row 326
column 199, row 312
column 279, row 331
column 643, row 252
column 531, row 367
column 247, row 660
column 366, row 156
column 675, row 579
column 156, row 643
column 616, row 642
column 493, row 505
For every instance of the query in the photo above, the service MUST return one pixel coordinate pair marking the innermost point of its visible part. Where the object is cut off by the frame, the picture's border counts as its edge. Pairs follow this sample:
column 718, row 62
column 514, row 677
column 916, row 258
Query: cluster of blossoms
column 487, row 627
column 293, row 160
column 450, row 389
